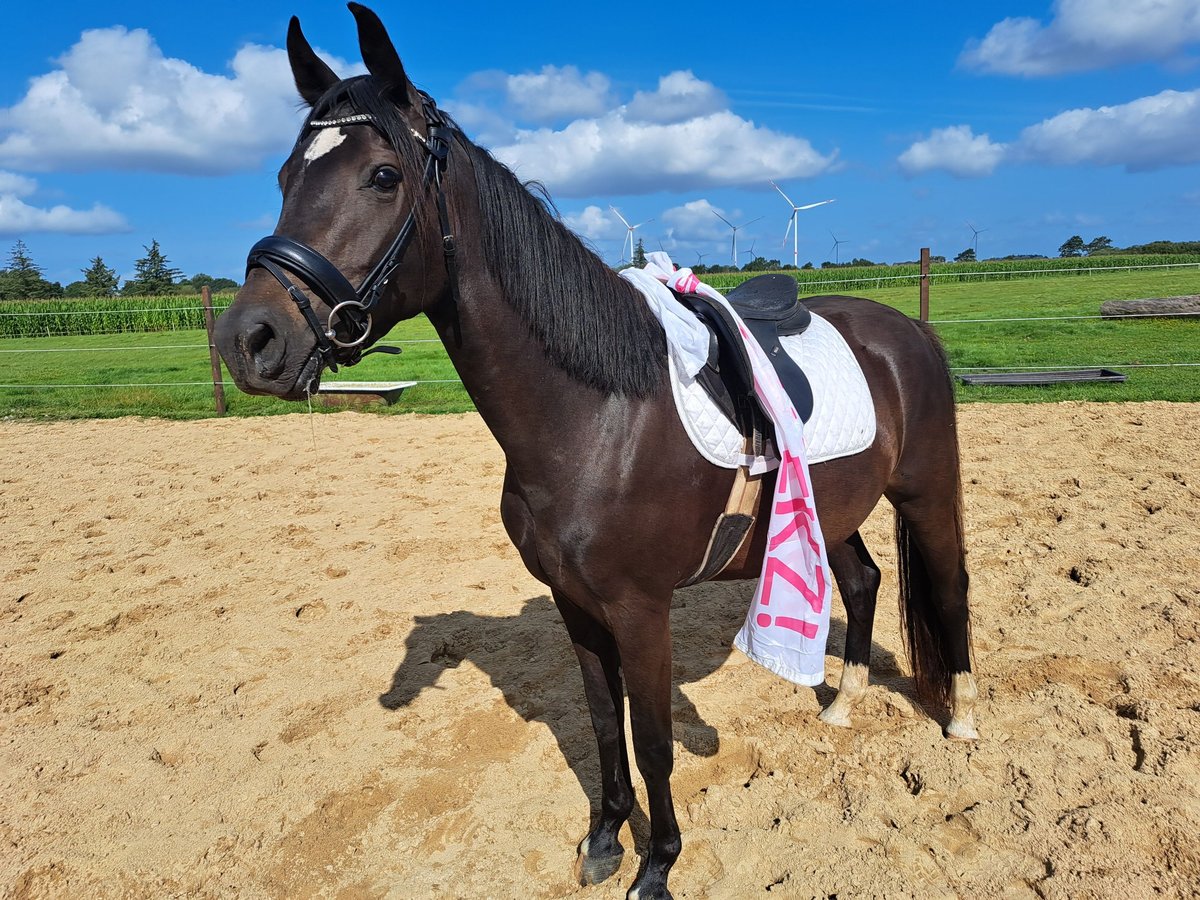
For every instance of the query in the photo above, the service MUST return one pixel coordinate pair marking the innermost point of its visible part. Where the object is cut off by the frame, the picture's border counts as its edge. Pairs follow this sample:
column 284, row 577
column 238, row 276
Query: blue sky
column 124, row 122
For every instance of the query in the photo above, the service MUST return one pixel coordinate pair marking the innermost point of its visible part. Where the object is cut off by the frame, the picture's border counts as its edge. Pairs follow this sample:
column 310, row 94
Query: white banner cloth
column 788, row 622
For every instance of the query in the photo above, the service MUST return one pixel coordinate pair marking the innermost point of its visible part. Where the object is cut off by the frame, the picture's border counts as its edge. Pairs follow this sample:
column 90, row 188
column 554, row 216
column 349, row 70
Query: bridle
column 352, row 307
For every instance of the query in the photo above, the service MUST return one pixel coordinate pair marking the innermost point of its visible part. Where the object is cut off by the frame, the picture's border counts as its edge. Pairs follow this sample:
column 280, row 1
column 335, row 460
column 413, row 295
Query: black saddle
column 770, row 307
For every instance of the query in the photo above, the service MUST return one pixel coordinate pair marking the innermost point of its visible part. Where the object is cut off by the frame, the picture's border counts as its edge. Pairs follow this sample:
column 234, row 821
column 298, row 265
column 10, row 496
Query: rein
column 282, row 256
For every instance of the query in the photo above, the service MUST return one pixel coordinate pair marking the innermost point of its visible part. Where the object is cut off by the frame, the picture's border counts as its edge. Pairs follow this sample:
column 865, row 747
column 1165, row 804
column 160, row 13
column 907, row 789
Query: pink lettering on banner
column 808, row 629
column 774, row 567
column 800, row 517
column 803, row 518
column 687, row 284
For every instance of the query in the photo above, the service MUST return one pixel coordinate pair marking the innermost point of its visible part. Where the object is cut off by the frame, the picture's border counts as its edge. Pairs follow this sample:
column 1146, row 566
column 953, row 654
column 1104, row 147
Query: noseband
column 282, row 256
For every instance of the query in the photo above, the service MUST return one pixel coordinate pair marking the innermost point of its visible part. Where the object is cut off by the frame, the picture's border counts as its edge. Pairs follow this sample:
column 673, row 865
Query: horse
column 605, row 498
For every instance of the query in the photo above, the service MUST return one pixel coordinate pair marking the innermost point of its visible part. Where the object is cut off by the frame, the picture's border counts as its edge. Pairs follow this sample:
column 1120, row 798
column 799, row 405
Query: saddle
column 770, row 307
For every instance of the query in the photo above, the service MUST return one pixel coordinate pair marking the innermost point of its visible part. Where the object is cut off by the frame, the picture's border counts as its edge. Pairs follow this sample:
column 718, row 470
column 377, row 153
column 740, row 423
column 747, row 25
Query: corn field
column 49, row 318
column 109, row 315
column 839, row 280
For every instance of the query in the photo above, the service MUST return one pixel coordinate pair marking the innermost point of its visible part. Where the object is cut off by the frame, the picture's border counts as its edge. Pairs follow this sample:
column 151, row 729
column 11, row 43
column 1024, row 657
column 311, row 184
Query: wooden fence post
column 924, row 284
column 213, row 356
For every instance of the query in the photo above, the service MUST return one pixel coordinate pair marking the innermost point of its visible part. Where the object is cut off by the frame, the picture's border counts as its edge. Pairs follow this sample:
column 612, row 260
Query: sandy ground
column 296, row 657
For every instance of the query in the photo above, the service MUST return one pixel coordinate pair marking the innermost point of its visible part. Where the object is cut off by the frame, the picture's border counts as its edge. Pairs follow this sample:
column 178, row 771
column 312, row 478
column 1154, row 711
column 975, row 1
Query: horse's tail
column 921, row 620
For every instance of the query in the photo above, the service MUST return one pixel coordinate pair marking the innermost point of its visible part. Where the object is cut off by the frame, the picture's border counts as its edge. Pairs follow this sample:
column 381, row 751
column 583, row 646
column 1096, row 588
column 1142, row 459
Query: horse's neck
column 531, row 406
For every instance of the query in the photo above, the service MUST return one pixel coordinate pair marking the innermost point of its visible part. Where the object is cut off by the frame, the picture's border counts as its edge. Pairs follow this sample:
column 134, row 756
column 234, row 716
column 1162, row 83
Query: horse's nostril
column 265, row 348
column 258, row 337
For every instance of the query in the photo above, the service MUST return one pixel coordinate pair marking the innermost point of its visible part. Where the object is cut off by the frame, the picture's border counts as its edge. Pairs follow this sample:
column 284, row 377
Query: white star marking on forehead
column 327, row 139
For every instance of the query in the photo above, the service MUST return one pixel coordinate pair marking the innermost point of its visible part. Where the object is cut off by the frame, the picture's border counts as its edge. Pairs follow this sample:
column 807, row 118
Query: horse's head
column 358, row 245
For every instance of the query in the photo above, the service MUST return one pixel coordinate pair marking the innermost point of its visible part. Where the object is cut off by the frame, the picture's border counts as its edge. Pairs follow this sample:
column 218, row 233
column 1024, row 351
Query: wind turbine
column 793, row 226
column 837, row 256
column 630, row 229
column 735, row 231
column 976, row 232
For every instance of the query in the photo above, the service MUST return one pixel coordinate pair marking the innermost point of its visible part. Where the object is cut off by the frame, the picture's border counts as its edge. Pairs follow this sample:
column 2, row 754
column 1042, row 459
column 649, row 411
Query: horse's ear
column 378, row 52
column 313, row 77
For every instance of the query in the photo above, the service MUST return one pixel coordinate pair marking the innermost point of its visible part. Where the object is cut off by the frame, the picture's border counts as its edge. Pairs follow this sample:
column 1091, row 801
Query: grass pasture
column 167, row 373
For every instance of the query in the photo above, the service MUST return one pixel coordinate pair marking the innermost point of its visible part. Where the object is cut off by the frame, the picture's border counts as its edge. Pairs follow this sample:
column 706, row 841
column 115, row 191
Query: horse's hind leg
column 858, row 580
column 600, row 853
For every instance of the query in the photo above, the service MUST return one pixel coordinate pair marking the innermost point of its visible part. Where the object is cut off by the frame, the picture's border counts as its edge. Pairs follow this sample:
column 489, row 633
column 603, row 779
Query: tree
column 761, row 264
column 1098, row 245
column 194, row 284
column 1073, row 246
column 154, row 274
column 967, row 255
column 99, row 280
column 23, row 280
column 639, row 255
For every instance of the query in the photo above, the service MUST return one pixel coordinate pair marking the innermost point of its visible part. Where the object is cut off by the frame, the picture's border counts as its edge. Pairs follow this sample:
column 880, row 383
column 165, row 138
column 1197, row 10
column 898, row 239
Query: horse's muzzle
column 268, row 351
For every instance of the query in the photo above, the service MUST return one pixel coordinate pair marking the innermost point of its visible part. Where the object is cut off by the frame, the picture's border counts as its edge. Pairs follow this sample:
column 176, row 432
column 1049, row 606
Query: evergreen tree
column 1098, row 245
column 100, row 280
column 23, row 280
column 967, row 255
column 154, row 274
column 639, row 255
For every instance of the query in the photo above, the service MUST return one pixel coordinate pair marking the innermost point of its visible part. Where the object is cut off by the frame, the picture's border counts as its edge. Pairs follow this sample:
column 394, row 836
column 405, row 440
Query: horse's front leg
column 600, row 853
column 643, row 636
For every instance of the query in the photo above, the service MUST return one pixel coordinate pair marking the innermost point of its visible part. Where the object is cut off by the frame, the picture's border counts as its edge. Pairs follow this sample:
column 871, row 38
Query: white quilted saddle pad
column 843, row 419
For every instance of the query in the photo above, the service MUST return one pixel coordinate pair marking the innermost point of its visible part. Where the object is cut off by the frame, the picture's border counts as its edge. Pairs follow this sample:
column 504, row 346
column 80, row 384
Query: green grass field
column 167, row 373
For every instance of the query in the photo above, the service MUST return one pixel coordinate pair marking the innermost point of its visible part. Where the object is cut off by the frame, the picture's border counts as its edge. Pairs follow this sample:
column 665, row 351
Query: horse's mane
column 592, row 323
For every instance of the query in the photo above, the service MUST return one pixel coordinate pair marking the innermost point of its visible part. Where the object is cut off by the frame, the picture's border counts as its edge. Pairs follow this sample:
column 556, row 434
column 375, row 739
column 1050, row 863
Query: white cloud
column 1087, row 34
column 14, row 185
column 592, row 223
column 557, row 94
column 956, row 150
column 19, row 217
column 116, row 102
column 612, row 154
column 491, row 100
column 696, row 221
column 1149, row 133
column 680, row 96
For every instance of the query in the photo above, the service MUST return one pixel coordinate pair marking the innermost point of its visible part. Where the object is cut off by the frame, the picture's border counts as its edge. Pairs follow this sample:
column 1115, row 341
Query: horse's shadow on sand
column 528, row 657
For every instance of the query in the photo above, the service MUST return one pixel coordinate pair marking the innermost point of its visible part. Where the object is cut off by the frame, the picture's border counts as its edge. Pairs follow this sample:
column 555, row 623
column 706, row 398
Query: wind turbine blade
column 722, row 218
column 788, row 230
column 619, row 216
column 751, row 222
column 640, row 224
column 782, row 194
column 818, row 203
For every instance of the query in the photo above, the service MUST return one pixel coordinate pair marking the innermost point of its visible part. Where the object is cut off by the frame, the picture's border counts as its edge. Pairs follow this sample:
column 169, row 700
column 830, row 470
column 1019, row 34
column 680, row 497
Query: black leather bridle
column 352, row 307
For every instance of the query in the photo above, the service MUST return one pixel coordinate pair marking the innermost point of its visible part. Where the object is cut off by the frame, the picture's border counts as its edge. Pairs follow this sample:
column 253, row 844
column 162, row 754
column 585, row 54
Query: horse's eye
column 385, row 179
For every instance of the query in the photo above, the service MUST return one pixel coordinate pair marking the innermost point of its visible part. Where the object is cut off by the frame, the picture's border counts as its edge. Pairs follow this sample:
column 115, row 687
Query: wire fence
column 81, row 338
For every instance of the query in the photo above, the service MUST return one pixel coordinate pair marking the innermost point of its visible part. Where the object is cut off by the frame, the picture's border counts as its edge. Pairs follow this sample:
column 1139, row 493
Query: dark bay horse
column 605, row 497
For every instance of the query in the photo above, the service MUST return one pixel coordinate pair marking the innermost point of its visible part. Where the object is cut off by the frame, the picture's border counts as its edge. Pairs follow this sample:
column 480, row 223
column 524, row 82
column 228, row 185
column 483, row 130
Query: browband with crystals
column 356, row 119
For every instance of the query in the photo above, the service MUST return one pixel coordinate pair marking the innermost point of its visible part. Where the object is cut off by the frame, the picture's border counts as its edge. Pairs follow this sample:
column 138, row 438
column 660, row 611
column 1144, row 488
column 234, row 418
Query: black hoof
column 594, row 865
column 596, row 869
